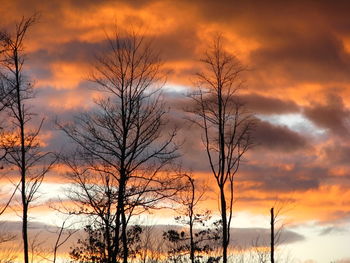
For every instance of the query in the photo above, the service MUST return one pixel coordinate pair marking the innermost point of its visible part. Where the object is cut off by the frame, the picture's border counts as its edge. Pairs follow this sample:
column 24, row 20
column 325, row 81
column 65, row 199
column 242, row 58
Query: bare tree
column 21, row 138
column 226, row 126
column 277, row 226
column 194, row 242
column 190, row 201
column 260, row 247
column 124, row 136
column 94, row 196
column 64, row 233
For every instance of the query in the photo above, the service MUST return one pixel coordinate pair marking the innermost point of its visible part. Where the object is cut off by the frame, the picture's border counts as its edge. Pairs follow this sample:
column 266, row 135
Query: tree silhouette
column 124, row 137
column 20, row 139
column 200, row 238
column 226, row 126
column 94, row 249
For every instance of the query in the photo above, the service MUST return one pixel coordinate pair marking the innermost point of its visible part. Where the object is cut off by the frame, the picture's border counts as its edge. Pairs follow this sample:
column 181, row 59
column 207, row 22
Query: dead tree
column 125, row 136
column 20, row 140
column 276, row 226
column 225, row 124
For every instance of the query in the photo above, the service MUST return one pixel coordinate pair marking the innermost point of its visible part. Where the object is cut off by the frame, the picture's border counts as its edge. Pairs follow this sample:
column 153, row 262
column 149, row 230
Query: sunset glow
column 296, row 84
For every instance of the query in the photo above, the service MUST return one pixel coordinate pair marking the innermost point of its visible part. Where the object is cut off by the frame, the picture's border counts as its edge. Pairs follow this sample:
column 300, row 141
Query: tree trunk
column 124, row 239
column 109, row 244
column 192, row 248
column 224, row 225
column 272, row 222
column 116, row 238
column 25, row 233
column 23, row 161
column 24, row 199
column 120, row 207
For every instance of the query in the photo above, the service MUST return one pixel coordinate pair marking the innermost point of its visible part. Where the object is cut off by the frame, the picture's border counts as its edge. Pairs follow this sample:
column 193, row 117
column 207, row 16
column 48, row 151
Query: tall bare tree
column 125, row 137
column 20, row 140
column 225, row 124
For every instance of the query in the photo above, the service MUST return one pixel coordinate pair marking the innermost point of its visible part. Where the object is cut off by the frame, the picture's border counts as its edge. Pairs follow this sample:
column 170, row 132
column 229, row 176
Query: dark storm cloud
column 266, row 136
column 273, row 16
column 51, row 14
column 277, row 137
column 288, row 183
column 57, row 6
column 337, row 154
column 299, row 41
column 332, row 115
column 310, row 57
column 299, row 51
column 189, row 135
column 288, row 47
column 72, row 51
column 179, row 44
column 59, row 112
column 274, row 178
column 268, row 105
column 39, row 68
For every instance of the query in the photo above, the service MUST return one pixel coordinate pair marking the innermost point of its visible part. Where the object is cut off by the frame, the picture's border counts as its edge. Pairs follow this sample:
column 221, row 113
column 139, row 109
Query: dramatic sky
column 297, row 55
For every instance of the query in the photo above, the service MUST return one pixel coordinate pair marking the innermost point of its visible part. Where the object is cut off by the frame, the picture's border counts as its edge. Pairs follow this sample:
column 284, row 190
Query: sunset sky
column 297, row 84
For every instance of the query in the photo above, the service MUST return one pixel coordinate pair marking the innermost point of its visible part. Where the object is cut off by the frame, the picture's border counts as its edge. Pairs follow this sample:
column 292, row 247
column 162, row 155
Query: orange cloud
column 298, row 63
